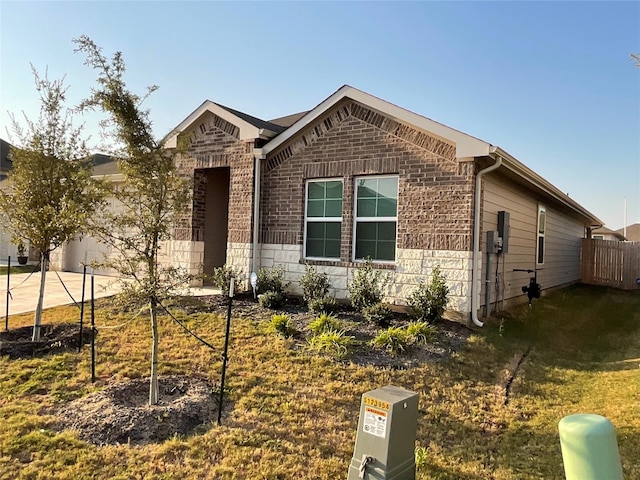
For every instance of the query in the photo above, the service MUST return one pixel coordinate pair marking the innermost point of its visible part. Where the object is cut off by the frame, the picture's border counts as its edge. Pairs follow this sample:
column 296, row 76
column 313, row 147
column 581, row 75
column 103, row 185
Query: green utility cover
column 386, row 435
column 589, row 448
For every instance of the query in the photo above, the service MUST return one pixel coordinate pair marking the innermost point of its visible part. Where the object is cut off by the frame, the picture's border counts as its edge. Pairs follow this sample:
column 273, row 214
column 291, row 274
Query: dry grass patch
column 294, row 412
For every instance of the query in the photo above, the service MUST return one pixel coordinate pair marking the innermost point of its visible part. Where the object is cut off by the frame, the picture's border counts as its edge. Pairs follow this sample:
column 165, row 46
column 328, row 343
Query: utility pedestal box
column 386, row 437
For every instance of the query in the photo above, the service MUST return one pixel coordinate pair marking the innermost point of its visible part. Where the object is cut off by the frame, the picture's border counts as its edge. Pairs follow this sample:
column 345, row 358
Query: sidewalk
column 25, row 289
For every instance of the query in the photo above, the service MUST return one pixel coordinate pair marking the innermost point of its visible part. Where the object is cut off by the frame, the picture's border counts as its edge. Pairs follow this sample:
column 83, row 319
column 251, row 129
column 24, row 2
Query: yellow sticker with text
column 373, row 402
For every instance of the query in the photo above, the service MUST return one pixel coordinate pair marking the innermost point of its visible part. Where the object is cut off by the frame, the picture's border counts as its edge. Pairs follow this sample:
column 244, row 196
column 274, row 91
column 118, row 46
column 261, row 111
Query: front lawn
column 18, row 269
column 489, row 410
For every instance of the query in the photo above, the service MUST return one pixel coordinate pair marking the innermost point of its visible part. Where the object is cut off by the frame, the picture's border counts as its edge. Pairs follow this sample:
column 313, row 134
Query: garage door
column 83, row 251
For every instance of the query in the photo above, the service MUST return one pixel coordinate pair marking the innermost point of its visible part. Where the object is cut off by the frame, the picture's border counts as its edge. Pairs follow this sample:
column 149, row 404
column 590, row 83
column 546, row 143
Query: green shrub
column 429, row 300
column 323, row 323
column 333, row 342
column 271, row 300
column 366, row 288
column 280, row 324
column 378, row 314
column 323, row 305
column 271, row 280
column 314, row 285
column 221, row 277
column 395, row 340
column 421, row 332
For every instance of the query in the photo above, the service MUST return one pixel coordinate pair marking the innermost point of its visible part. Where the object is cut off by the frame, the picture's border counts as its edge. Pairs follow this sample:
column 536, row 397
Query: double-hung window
column 542, row 223
column 376, row 218
column 323, row 219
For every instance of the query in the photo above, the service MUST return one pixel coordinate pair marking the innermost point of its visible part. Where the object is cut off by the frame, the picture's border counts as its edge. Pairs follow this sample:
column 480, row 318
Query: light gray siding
column 562, row 241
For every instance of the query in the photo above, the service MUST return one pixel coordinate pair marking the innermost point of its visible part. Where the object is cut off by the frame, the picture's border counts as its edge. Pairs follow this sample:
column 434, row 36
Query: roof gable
column 466, row 145
column 249, row 127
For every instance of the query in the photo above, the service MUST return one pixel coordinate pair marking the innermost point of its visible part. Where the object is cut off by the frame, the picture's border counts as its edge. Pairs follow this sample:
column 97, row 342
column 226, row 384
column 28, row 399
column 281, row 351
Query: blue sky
column 552, row 83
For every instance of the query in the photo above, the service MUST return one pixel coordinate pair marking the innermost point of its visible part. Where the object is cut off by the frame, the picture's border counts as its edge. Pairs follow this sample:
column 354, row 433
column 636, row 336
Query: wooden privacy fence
column 610, row 263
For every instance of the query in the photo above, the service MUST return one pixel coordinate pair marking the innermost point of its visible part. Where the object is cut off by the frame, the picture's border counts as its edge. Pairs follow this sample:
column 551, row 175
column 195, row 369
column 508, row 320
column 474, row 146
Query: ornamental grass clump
column 335, row 343
column 421, row 333
column 324, row 323
column 394, row 340
column 280, row 324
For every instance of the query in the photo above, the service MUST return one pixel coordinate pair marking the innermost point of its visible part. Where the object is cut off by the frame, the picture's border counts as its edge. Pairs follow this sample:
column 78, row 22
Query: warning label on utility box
column 375, row 422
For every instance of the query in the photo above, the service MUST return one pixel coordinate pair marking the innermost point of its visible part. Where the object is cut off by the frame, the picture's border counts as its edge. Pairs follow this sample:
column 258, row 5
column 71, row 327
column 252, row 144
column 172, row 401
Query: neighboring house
column 603, row 233
column 633, row 232
column 85, row 250
column 6, row 247
column 359, row 177
column 5, row 162
column 72, row 255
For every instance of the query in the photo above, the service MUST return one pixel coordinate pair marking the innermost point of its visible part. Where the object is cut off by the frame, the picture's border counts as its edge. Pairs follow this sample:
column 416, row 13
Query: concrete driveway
column 24, row 290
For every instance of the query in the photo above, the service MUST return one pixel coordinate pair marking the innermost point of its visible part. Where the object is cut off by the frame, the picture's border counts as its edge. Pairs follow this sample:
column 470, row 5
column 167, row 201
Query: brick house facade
column 359, row 177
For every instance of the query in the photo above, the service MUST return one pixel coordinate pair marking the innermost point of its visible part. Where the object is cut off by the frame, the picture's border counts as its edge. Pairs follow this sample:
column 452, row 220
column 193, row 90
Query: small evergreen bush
column 221, row 277
column 395, row 340
column 378, row 314
column 280, row 324
column 429, row 300
column 323, row 323
column 271, row 280
column 314, row 285
column 366, row 288
column 421, row 332
column 333, row 342
column 271, row 300
column 323, row 305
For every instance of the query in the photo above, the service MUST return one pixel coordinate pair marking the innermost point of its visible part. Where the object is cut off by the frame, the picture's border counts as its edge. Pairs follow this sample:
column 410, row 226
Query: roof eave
column 549, row 189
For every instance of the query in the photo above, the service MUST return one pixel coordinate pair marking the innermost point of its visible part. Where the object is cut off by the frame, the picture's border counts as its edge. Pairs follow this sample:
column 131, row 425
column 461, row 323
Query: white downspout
column 475, row 271
column 258, row 155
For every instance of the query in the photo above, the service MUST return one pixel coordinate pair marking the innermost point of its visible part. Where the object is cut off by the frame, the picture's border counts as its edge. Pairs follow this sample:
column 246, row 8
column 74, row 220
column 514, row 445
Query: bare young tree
column 50, row 194
column 152, row 199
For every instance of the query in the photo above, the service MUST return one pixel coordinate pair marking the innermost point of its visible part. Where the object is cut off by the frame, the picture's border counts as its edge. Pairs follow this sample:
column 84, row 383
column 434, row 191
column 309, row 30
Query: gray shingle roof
column 256, row 122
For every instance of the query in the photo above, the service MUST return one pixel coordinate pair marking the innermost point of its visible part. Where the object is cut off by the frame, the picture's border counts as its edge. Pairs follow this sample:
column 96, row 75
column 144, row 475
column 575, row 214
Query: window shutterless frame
column 541, row 226
column 375, row 218
column 323, row 219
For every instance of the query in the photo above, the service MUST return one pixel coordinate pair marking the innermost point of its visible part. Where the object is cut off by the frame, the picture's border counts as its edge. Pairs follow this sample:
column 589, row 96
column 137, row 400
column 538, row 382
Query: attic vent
column 203, row 128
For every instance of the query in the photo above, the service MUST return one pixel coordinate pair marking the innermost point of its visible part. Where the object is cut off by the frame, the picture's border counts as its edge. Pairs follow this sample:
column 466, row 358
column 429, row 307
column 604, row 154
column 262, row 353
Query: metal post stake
column 84, row 278
column 93, row 335
column 224, row 355
column 6, row 315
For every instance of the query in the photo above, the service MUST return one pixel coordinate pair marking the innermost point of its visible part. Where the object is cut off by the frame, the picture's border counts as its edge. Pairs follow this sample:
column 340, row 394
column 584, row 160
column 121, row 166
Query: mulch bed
column 451, row 336
column 17, row 343
column 120, row 413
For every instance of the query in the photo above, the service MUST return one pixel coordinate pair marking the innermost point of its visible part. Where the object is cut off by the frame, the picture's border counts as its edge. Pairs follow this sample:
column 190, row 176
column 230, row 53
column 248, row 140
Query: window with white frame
column 376, row 218
column 542, row 223
column 323, row 219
